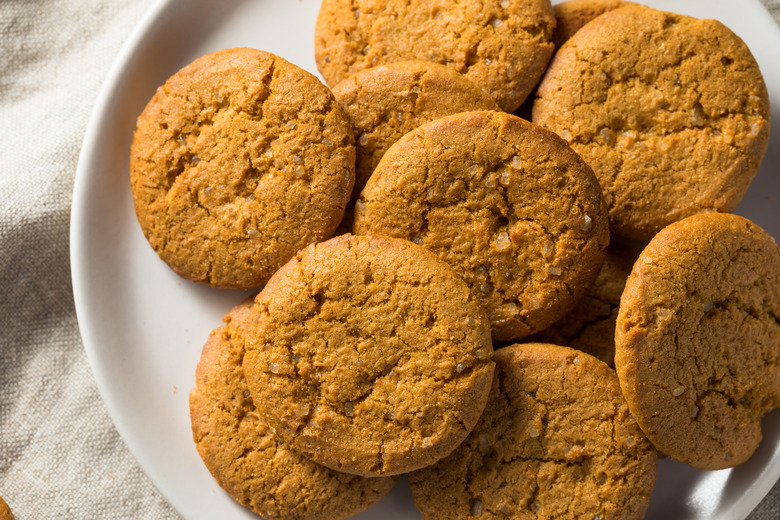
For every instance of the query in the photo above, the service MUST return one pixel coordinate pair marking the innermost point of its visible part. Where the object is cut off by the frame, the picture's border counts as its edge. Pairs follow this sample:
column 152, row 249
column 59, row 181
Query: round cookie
column 501, row 45
column 506, row 203
column 697, row 345
column 671, row 112
column 384, row 103
column 590, row 326
column 239, row 160
column 369, row 355
column 5, row 511
column 571, row 15
column 244, row 455
column 556, row 440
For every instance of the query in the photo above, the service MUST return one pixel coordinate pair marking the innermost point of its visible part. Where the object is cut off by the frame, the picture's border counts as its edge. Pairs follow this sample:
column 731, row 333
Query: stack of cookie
column 371, row 355
column 361, row 359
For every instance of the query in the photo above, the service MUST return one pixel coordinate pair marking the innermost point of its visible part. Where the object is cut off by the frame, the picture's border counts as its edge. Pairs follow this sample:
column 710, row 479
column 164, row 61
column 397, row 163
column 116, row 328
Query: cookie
column 5, row 511
column 671, row 112
column 571, row 15
column 501, row 45
column 369, row 355
column 239, row 160
column 506, row 203
column 590, row 326
column 556, row 440
column 244, row 455
column 384, row 103
column 697, row 345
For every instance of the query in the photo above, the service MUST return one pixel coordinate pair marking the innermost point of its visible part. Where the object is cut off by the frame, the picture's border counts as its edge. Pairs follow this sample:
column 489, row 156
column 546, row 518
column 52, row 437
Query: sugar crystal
column 502, row 242
column 586, row 223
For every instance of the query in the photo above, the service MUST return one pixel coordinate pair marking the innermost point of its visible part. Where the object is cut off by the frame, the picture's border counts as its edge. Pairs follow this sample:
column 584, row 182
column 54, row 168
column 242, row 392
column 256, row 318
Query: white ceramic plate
column 143, row 326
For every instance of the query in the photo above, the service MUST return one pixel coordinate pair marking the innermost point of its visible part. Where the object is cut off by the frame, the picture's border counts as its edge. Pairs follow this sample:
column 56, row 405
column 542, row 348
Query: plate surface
column 143, row 326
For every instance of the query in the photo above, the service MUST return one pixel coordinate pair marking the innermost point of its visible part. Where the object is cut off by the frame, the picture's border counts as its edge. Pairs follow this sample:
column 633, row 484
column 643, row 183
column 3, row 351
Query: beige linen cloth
column 60, row 456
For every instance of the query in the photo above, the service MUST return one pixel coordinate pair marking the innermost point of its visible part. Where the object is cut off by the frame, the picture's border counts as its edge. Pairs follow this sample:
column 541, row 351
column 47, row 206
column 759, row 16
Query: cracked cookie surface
column 555, row 441
column 369, row 355
column 384, row 103
column 572, row 15
column 501, row 45
column 239, row 160
column 244, row 455
column 698, row 339
column 506, row 203
column 590, row 326
column 671, row 112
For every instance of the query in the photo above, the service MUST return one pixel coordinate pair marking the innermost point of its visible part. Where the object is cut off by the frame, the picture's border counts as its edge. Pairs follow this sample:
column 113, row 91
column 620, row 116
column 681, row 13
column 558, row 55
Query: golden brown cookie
column 671, row 112
column 571, row 15
column 506, row 203
column 369, row 355
column 244, row 455
column 501, row 45
column 384, row 103
column 590, row 326
column 556, row 440
column 238, row 161
column 5, row 511
column 698, row 339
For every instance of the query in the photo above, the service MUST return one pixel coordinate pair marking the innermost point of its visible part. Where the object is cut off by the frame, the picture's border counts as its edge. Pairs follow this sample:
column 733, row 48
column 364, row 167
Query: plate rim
column 78, row 217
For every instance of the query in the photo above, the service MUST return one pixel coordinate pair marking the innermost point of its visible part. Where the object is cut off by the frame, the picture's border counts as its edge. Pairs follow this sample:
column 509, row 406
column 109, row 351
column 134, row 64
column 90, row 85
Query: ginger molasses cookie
column 5, row 511
column 506, row 203
column 384, row 103
column 590, row 326
column 556, row 440
column 239, row 160
column 501, row 45
column 671, row 112
column 571, row 15
column 369, row 355
column 245, row 456
column 697, row 346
